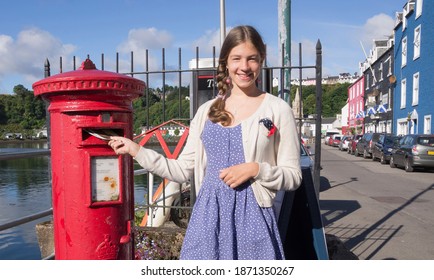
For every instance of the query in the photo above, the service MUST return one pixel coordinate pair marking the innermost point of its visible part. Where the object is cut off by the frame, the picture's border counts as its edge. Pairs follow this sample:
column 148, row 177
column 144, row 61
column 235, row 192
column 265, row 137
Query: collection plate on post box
column 105, row 178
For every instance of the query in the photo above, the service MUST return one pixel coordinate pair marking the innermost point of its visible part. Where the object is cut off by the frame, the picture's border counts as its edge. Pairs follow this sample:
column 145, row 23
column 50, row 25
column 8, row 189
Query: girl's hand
column 122, row 145
column 235, row 175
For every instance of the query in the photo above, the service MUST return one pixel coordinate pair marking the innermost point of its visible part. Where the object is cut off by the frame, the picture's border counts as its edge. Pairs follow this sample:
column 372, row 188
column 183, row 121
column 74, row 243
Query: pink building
column 356, row 106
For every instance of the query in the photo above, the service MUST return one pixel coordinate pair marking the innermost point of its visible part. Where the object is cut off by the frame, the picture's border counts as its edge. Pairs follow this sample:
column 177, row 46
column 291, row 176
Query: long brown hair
column 238, row 35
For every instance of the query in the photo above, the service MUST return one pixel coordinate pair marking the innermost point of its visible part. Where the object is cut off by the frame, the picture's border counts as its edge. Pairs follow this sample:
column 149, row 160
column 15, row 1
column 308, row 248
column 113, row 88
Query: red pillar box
column 93, row 194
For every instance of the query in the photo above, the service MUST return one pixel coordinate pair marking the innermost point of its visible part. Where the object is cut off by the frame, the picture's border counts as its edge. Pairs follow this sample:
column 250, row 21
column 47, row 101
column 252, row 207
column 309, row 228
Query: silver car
column 413, row 151
column 345, row 140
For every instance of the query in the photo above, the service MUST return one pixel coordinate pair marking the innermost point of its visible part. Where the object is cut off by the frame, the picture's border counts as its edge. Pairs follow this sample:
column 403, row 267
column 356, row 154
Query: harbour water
column 24, row 190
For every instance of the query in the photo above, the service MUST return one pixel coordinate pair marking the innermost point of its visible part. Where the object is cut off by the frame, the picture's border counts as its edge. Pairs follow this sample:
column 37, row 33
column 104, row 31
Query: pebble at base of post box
column 92, row 187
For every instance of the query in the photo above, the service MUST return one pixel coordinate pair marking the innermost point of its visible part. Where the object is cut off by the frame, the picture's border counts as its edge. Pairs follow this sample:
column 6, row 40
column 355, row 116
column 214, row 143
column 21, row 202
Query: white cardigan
column 278, row 155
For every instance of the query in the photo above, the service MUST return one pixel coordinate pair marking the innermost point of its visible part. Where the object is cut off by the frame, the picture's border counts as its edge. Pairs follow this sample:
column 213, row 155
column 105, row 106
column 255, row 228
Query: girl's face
column 244, row 65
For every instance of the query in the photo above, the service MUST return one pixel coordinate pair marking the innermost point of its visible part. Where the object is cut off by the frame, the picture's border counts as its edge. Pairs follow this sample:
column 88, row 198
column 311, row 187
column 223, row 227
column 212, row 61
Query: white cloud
column 26, row 54
column 210, row 39
column 377, row 27
column 6, row 47
column 142, row 39
column 342, row 51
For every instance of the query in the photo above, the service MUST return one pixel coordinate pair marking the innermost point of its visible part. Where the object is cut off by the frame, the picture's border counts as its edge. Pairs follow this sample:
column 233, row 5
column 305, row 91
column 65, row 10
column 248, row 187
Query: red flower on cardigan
column 269, row 125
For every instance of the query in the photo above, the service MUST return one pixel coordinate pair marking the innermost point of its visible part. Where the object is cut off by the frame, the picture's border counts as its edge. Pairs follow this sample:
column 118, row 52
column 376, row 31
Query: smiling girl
column 242, row 148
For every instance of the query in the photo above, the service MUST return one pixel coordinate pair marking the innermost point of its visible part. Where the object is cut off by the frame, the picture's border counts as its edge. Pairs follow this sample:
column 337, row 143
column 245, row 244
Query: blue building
column 413, row 102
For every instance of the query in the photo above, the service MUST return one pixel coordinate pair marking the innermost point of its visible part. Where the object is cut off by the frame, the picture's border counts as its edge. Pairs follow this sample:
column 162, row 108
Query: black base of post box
column 300, row 224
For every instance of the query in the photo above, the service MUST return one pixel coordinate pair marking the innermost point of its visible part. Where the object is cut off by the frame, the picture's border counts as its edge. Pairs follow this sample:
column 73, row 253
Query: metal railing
column 26, row 219
column 26, row 153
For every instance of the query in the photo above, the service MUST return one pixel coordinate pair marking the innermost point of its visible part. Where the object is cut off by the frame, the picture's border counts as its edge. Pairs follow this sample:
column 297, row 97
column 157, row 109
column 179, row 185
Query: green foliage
column 21, row 111
column 334, row 97
column 139, row 213
column 176, row 106
column 309, row 105
column 3, row 116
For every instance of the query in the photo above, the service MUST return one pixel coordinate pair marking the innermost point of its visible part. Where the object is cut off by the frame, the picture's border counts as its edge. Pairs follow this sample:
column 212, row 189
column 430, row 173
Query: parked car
column 328, row 135
column 366, row 143
column 335, row 140
column 383, row 147
column 330, row 140
column 343, row 145
column 414, row 151
column 305, row 157
column 353, row 142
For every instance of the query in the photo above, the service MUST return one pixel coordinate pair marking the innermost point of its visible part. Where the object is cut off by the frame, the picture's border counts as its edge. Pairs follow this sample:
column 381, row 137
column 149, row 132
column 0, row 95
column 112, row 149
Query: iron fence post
column 317, row 160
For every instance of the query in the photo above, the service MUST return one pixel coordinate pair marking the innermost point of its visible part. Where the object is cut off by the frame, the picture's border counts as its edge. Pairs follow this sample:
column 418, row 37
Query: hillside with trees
column 22, row 112
column 334, row 97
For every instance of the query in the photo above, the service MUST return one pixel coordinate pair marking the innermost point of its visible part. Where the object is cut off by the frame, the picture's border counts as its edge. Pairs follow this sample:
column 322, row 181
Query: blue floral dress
column 228, row 223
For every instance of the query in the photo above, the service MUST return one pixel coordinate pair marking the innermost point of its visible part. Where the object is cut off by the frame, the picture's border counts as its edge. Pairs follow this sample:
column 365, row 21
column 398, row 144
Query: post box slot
column 92, row 136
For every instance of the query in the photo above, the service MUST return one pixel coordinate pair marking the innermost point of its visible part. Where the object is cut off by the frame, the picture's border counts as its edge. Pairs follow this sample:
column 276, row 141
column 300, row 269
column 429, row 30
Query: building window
column 402, row 127
column 404, row 52
column 415, row 89
column 389, row 65
column 419, row 4
column 427, row 124
column 403, row 93
column 380, row 71
column 390, row 68
column 389, row 100
column 417, row 33
column 385, row 98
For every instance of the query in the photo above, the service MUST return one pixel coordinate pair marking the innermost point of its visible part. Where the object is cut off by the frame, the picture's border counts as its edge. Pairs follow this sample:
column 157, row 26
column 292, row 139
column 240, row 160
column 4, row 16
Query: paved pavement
column 376, row 211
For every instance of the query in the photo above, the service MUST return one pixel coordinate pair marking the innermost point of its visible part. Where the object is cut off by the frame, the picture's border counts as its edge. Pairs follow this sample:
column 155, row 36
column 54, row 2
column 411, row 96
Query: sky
column 32, row 31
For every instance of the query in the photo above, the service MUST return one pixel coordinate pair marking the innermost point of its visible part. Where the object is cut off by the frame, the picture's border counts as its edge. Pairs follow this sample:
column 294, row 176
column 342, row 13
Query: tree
column 173, row 108
column 32, row 111
column 23, row 111
column 334, row 98
column 309, row 105
column 3, row 116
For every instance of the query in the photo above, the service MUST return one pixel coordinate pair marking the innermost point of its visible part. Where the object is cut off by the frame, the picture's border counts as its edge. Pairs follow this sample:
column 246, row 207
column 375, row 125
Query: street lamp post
column 222, row 22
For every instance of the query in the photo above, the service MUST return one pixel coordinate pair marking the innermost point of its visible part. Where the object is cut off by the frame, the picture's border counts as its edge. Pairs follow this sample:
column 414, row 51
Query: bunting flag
column 360, row 115
column 382, row 108
column 371, row 111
